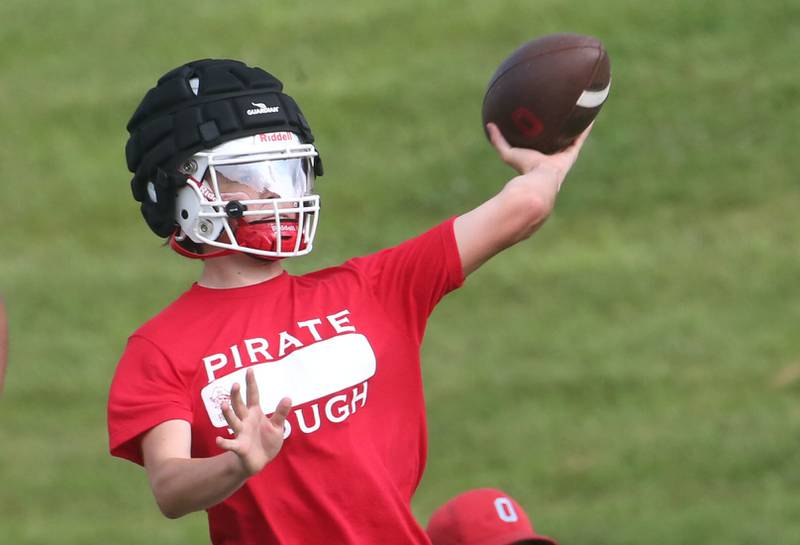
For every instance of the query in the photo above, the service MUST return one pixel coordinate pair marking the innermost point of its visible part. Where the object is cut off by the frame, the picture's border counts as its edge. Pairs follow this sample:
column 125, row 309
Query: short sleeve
column 146, row 391
column 411, row 278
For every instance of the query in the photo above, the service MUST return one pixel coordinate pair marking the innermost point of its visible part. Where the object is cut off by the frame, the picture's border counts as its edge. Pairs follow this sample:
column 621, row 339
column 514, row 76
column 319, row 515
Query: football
column 548, row 91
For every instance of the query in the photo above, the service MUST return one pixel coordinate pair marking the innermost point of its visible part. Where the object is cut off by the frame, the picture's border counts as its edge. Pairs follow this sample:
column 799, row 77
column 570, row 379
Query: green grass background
column 631, row 374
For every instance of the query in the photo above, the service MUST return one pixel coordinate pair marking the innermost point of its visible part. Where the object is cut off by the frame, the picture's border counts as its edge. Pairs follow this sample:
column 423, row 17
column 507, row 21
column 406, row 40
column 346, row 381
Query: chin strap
column 185, row 252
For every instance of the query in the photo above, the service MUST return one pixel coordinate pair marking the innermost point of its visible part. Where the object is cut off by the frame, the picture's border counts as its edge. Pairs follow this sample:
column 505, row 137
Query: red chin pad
column 263, row 236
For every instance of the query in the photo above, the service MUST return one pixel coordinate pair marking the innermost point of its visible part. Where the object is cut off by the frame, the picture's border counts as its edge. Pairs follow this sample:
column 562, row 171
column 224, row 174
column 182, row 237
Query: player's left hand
column 258, row 438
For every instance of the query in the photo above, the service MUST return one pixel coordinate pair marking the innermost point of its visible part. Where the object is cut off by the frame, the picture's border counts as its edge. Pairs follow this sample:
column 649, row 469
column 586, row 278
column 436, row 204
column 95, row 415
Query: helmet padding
column 195, row 107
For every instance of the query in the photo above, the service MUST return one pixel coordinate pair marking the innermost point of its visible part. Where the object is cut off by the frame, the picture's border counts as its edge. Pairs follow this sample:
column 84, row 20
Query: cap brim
column 516, row 538
column 539, row 540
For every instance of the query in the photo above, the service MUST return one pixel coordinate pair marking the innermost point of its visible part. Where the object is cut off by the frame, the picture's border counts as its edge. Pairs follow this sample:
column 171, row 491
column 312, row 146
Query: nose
column 267, row 194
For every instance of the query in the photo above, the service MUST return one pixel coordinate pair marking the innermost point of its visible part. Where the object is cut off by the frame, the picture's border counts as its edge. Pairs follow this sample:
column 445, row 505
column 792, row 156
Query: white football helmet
column 253, row 195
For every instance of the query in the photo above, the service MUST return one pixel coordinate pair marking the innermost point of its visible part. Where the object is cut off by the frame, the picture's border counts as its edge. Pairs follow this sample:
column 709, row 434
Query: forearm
column 509, row 217
column 528, row 201
column 185, row 485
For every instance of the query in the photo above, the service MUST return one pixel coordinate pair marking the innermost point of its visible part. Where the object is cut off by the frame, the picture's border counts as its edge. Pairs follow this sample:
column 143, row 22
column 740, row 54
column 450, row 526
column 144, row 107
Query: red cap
column 484, row 516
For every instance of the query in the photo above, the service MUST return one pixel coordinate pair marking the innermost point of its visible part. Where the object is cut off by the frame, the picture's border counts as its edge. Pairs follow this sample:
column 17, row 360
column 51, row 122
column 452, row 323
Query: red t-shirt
column 344, row 344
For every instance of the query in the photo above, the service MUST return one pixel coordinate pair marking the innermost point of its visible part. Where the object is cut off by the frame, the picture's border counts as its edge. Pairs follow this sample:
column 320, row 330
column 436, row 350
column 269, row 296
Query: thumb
column 281, row 412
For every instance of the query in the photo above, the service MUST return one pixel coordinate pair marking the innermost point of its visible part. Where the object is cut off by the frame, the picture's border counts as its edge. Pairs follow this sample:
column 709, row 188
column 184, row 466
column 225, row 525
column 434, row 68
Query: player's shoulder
column 367, row 264
column 168, row 322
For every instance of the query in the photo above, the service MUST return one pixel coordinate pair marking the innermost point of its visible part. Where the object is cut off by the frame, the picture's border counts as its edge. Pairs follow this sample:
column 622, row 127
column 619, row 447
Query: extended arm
column 182, row 484
column 522, row 205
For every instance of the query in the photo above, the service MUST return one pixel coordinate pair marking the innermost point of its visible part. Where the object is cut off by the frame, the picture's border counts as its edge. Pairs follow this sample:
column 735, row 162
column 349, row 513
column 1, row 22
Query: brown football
column 548, row 91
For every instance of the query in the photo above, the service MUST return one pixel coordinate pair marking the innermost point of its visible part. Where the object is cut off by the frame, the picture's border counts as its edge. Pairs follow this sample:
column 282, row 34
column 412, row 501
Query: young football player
column 484, row 516
column 224, row 167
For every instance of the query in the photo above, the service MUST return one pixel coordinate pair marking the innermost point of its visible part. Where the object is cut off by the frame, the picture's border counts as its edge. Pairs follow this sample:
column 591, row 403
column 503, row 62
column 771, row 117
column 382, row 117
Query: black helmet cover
column 195, row 107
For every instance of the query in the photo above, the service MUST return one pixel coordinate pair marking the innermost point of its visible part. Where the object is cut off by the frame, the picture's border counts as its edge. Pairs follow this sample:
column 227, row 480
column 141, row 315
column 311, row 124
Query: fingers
column 236, row 401
column 253, row 398
column 498, row 140
column 237, row 410
column 584, row 135
column 228, row 444
column 520, row 159
column 569, row 155
column 230, row 417
column 281, row 412
column 576, row 146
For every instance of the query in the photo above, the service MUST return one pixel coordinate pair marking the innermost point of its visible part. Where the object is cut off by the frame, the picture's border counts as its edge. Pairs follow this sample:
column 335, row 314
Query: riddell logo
column 207, row 193
column 274, row 137
column 261, row 108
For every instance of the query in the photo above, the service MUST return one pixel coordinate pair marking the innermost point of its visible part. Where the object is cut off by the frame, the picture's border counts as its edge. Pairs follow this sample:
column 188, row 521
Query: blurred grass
column 638, row 378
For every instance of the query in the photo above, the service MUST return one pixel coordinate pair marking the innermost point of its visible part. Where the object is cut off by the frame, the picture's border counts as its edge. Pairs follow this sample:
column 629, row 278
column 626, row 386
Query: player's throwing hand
column 525, row 160
column 258, row 438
